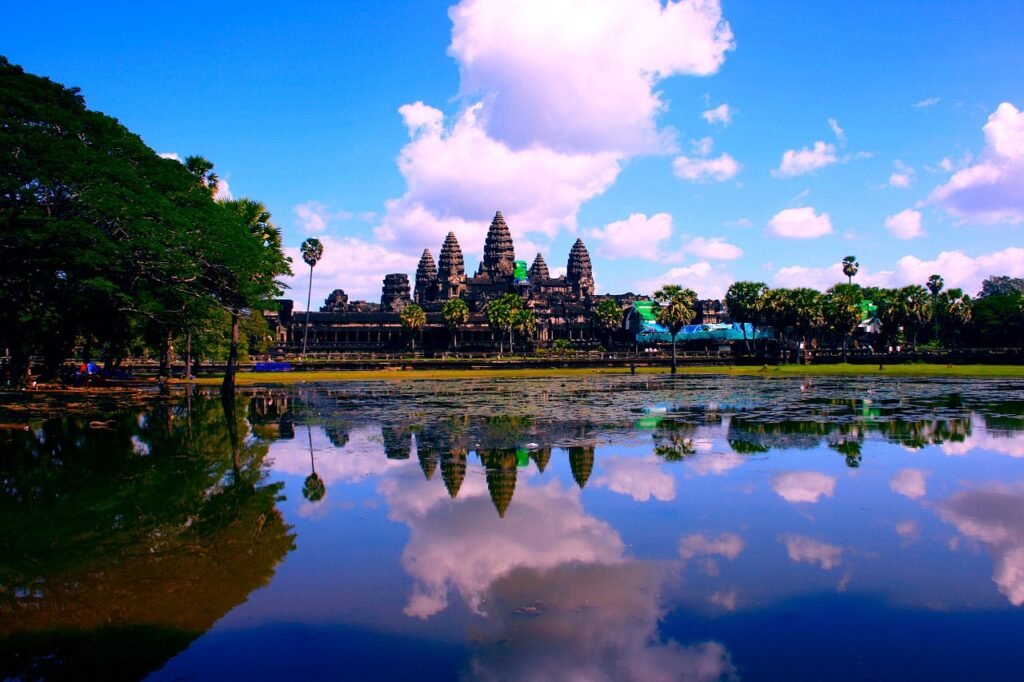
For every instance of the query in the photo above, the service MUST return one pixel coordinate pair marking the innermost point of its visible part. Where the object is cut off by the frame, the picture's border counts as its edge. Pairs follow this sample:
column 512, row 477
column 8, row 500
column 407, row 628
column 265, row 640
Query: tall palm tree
column 674, row 308
column 413, row 319
column 455, row 313
column 609, row 317
column 313, row 488
column 850, row 268
column 745, row 301
column 312, row 252
column 935, row 284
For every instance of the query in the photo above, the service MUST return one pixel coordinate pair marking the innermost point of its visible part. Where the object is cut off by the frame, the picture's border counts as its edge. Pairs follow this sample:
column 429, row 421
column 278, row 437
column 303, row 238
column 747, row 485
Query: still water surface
column 607, row 528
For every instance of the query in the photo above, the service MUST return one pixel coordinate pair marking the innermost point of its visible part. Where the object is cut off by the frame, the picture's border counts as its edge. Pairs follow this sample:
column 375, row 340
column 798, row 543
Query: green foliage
column 608, row 314
column 850, row 268
column 413, row 319
column 562, row 347
column 455, row 313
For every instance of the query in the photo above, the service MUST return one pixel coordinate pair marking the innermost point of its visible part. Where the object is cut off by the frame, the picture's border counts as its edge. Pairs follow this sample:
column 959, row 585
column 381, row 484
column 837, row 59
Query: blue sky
column 694, row 142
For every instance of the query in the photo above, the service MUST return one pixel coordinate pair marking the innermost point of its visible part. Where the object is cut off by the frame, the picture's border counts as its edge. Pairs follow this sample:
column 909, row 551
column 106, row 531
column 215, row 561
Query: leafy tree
column 243, row 270
column 501, row 316
column 455, row 313
column 674, row 307
column 312, row 252
column 1003, row 284
column 954, row 307
column 997, row 321
column 843, row 311
column 608, row 315
column 745, row 301
column 914, row 301
column 413, row 319
column 524, row 321
column 850, row 268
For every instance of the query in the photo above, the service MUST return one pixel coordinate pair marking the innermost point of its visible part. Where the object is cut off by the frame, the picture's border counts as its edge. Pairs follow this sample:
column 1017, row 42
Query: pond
column 597, row 528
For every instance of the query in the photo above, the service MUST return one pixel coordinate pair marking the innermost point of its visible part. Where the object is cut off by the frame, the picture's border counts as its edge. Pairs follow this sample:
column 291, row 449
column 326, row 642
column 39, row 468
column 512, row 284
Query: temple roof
column 499, row 253
column 426, row 270
column 451, row 261
column 579, row 266
column 539, row 269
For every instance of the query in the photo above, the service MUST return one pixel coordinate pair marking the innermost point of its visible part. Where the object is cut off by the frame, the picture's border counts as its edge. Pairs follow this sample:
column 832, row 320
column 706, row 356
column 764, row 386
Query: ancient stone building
column 562, row 305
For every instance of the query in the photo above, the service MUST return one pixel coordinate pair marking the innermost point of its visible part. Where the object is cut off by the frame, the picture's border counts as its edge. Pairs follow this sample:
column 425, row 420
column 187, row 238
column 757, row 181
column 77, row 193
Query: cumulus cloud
column 223, row 192
column 718, row 169
column 716, row 464
column 348, row 263
column 588, row 622
column 715, row 248
column 905, row 225
column 994, row 516
column 803, row 549
column 1003, row 443
column 640, row 478
column 707, row 280
column 800, row 223
column 803, row 486
column 635, row 237
column 314, row 218
column 170, row 155
column 910, row 483
column 991, row 190
column 726, row 545
column 582, row 80
column 806, row 160
column 721, row 114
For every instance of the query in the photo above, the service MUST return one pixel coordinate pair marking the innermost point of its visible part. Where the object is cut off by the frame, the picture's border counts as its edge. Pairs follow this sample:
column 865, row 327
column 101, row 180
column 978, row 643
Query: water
column 617, row 528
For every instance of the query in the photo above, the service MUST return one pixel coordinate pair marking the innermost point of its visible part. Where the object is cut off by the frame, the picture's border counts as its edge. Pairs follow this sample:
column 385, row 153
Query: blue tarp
column 272, row 367
column 651, row 332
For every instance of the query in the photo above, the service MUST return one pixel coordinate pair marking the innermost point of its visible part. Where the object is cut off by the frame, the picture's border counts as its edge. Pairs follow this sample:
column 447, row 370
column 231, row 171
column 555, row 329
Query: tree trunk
column 227, row 388
column 309, row 296
column 188, row 355
column 511, row 346
column 165, row 356
column 673, row 353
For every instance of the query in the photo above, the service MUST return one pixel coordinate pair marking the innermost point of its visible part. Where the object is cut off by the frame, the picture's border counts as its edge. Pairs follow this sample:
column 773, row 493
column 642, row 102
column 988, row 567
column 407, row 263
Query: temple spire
column 451, row 268
column 579, row 272
column 499, row 254
column 539, row 269
column 426, row 278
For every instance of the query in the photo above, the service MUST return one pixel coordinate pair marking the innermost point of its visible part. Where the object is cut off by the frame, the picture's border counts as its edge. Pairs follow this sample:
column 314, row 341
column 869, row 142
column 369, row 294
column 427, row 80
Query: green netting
column 520, row 270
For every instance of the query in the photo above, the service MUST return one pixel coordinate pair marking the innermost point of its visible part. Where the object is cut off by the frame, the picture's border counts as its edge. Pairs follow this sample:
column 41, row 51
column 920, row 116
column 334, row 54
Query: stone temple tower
column 539, row 269
column 395, row 295
column 499, row 255
column 426, row 278
column 579, row 272
column 452, row 269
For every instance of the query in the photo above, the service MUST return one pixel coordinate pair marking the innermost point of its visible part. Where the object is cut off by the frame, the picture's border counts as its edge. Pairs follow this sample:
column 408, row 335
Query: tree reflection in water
column 122, row 544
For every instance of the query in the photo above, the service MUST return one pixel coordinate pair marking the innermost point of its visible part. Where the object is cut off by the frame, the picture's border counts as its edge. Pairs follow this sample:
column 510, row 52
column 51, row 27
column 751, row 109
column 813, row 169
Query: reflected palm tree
column 313, row 488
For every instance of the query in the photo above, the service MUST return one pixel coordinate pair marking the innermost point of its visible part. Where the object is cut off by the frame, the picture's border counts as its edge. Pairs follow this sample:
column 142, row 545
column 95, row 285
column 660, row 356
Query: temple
column 563, row 305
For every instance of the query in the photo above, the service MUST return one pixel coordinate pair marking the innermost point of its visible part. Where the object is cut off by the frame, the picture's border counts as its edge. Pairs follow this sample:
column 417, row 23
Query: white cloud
column 798, row 162
column 635, row 237
column 905, row 225
column 727, row 599
column 726, row 545
column 458, row 178
column 803, row 486
column 348, row 263
column 910, row 483
column 837, row 131
column 170, row 155
column 718, row 169
column 1006, row 443
column 715, row 248
column 314, row 218
column 925, row 103
column 992, row 190
column 721, row 114
column 800, row 223
column 739, row 222
column 994, row 516
column 958, row 270
column 707, row 280
column 716, row 464
column 903, row 176
column 223, row 192
column 640, row 478
column 590, row 70
column 703, row 146
column 803, row 549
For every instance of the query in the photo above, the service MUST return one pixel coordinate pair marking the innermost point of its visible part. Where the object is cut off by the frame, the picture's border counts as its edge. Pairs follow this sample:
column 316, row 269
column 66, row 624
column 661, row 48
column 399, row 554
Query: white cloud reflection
column 803, row 486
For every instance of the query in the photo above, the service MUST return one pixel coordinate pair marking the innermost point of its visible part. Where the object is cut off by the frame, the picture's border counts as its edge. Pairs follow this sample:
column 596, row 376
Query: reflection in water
column 121, row 544
column 994, row 516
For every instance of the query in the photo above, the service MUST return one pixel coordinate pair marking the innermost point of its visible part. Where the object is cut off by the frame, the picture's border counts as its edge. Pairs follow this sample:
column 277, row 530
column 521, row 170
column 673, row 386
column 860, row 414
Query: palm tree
column 843, row 311
column 312, row 252
column 524, row 321
column 313, row 488
column 914, row 299
column 674, row 308
column 935, row 285
column 609, row 317
column 850, row 268
column 413, row 319
column 502, row 317
column 202, row 169
column 745, row 301
column 455, row 313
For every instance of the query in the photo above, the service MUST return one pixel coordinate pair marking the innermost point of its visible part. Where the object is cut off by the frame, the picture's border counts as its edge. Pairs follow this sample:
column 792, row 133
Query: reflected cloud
column 714, row 464
column 588, row 622
column 362, row 455
column 1003, row 443
column 910, row 483
column 727, row 545
column 994, row 516
column 803, row 486
column 727, row 599
column 450, row 546
column 640, row 478
column 907, row 530
column 803, row 549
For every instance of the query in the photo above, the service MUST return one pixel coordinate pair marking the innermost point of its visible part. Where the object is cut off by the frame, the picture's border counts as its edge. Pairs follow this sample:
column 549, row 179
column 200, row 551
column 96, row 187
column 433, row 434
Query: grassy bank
column 907, row 370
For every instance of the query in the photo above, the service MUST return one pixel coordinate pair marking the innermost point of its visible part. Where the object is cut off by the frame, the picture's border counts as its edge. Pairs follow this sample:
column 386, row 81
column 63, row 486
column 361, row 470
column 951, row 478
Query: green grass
column 912, row 369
